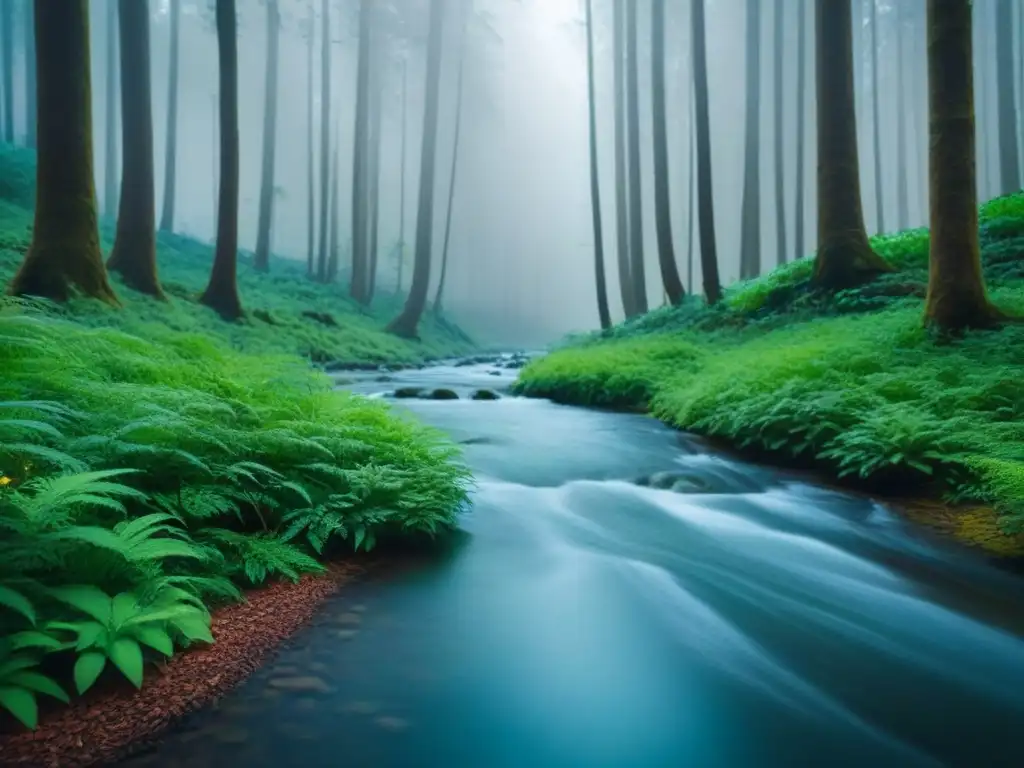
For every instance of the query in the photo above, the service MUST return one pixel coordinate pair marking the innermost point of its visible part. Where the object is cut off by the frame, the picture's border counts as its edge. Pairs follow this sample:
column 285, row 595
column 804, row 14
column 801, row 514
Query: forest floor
column 851, row 386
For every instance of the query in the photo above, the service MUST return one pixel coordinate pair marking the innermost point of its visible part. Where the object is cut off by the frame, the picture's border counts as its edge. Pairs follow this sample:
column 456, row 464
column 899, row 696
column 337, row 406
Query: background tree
column 400, row 246
column 360, row 171
column 7, row 51
column 705, row 196
column 110, row 123
column 844, row 258
column 221, row 293
column 325, row 136
column 778, row 54
column 29, row 49
column 171, row 150
column 638, row 277
column 374, row 212
column 750, row 214
column 310, row 176
column 595, row 185
column 134, row 253
column 621, row 180
column 1009, row 172
column 405, row 324
column 876, row 121
column 65, row 251
column 905, row 99
column 261, row 258
column 799, row 237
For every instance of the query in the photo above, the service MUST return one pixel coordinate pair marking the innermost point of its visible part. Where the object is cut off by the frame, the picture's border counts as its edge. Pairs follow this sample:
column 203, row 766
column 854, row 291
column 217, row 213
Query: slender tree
column 780, row 181
column 705, row 196
column 621, row 181
column 171, row 148
column 401, row 185
column 29, row 50
column 691, row 198
column 956, row 290
column 134, row 253
column 310, row 175
column 261, row 259
column 325, row 135
column 1009, row 170
column 876, row 119
column 902, row 166
column 332, row 258
column 65, row 252
column 110, row 123
column 800, row 240
column 406, row 323
column 360, row 165
column 222, row 291
column 750, row 226
column 845, row 258
column 604, row 315
column 636, row 231
column 670, row 280
column 373, row 217
column 7, row 50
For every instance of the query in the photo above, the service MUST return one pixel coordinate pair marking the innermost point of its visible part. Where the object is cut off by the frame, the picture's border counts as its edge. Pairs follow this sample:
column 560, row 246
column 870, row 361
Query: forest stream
column 623, row 597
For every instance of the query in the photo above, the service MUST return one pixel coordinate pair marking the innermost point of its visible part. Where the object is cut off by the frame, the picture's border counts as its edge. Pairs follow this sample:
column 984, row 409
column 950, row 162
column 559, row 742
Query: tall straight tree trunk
column 845, row 258
column 110, row 123
column 662, row 204
column 325, row 135
column 29, row 29
column 956, row 289
column 603, row 313
column 360, row 171
column 7, row 29
column 902, row 166
column 800, row 239
column 705, row 196
column 171, row 150
column 876, row 119
column 636, row 232
column 919, row 110
column 222, row 291
column 691, row 199
column 406, row 323
column 373, row 218
column 310, row 194
column 261, row 259
column 401, row 185
column 621, row 182
column 454, row 175
column 332, row 259
column 65, row 252
column 134, row 253
column 780, row 166
column 750, row 224
column 981, row 106
column 1009, row 170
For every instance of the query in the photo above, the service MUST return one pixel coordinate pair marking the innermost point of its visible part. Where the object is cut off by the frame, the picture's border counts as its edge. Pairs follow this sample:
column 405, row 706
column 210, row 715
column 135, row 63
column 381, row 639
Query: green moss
column 852, row 385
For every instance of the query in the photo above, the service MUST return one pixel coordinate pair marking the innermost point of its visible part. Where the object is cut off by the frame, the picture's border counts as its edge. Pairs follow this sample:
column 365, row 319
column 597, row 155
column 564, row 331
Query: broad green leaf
column 90, row 600
column 20, row 703
column 33, row 639
column 155, row 638
column 88, row 668
column 123, row 607
column 360, row 534
column 34, row 681
column 196, row 627
column 17, row 602
column 126, row 653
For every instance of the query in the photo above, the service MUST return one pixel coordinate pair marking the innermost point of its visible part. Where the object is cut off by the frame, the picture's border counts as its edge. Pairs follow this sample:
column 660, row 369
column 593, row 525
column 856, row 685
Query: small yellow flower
column 4, row 480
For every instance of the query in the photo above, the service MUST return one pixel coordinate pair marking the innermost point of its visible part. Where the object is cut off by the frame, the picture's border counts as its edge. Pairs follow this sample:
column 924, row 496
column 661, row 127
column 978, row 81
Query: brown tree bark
column 261, row 258
column 134, row 252
column 705, row 196
column 621, row 181
column 406, row 323
column 845, row 258
column 956, row 289
column 603, row 313
column 637, row 269
column 750, row 217
column 171, row 150
column 65, row 252
column 662, row 203
column 221, row 293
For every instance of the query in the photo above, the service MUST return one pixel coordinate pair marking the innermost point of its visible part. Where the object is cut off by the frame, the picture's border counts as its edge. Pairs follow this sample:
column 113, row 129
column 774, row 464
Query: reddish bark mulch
column 113, row 722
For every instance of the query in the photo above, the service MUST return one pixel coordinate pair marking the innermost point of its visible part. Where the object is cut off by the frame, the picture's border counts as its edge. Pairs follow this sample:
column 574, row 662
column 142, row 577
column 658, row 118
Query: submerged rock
column 485, row 394
column 407, row 392
column 443, row 394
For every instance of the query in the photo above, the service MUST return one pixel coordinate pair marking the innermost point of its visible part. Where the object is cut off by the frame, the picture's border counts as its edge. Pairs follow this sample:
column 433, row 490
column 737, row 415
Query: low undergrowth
column 852, row 384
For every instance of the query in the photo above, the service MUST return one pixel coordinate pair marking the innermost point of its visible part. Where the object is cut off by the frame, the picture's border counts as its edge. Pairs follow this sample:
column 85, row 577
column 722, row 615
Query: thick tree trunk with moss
column 876, row 120
column 621, row 209
column 799, row 237
column 956, row 290
column 845, row 258
column 7, row 51
column 750, row 217
column 662, row 204
column 603, row 313
column 261, row 258
column 29, row 30
column 221, row 293
column 406, row 323
column 705, row 195
column 1009, row 173
column 110, row 123
column 171, row 150
column 637, row 268
column 360, row 170
column 134, row 253
column 65, row 252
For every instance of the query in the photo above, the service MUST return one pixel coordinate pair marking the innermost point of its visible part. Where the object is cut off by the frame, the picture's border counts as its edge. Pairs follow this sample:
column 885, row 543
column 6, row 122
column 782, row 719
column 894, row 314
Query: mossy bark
column 65, row 252
column 221, row 293
column 171, row 150
column 134, row 253
column 845, row 258
column 956, row 290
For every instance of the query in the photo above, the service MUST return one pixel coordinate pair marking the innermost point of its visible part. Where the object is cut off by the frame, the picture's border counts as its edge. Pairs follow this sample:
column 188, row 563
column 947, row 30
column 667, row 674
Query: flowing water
column 625, row 598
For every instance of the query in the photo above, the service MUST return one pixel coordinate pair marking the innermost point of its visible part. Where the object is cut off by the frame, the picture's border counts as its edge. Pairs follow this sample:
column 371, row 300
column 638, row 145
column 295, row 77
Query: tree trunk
column 452, row 177
column 30, row 73
column 845, row 258
column 780, row 166
column 332, row 258
column 65, row 252
column 401, row 201
column 171, row 150
column 705, row 196
column 875, row 119
column 134, row 253
column 325, row 136
column 800, row 238
column 919, row 118
column 981, row 106
column 222, row 292
column 595, row 185
column 902, row 166
column 956, row 290
column 1009, row 172
column 310, row 195
column 374, row 213
column 7, row 27
column 750, row 224
column 691, row 199
column 261, row 259
column 621, row 208
column 110, row 124
column 636, row 232
column 360, row 171
column 406, row 323
column 662, row 203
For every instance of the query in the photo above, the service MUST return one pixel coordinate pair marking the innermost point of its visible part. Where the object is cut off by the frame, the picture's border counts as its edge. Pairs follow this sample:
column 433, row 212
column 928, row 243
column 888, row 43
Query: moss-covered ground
column 851, row 385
